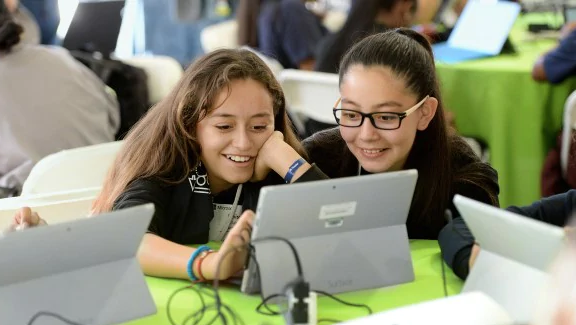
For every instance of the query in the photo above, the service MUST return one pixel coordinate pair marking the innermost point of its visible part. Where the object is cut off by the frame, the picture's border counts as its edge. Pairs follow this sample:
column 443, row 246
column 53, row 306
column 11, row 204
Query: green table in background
column 427, row 286
column 496, row 100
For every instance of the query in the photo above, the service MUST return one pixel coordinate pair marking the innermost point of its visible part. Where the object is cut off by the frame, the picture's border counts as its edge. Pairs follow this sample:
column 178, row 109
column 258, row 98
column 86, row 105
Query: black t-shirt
column 183, row 213
column 331, row 49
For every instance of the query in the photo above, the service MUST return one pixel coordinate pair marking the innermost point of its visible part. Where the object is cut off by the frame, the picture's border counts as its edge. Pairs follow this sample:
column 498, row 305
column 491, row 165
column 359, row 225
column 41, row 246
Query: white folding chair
column 219, row 36
column 334, row 20
column 49, row 208
column 272, row 63
column 72, row 169
column 163, row 74
column 310, row 95
column 569, row 124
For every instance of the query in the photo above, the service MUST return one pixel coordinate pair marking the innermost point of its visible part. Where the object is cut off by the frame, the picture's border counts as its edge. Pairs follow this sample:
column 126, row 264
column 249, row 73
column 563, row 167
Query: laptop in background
column 350, row 234
column 481, row 31
column 95, row 27
column 569, row 14
column 516, row 252
column 445, row 14
column 85, row 270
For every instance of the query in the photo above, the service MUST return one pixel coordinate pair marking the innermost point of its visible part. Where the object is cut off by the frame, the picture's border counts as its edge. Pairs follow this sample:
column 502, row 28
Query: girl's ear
column 427, row 112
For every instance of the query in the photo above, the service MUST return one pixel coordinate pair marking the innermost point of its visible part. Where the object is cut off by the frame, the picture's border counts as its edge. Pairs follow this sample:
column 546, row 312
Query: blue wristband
column 293, row 169
column 190, row 265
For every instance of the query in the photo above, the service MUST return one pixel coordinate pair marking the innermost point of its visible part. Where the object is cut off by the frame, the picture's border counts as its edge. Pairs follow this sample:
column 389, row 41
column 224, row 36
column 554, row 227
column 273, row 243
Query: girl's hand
column 232, row 255
column 25, row 218
column 263, row 161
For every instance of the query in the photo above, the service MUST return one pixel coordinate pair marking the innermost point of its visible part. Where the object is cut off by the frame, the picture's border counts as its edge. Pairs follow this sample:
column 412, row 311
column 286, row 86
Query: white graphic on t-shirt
column 223, row 221
column 199, row 183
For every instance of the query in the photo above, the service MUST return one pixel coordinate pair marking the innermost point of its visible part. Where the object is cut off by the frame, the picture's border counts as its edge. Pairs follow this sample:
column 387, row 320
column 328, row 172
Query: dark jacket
column 332, row 48
column 288, row 32
column 556, row 210
column 183, row 215
column 330, row 153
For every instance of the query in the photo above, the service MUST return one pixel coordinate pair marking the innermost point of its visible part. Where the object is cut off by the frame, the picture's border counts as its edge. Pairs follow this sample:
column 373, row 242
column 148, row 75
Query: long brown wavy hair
column 164, row 145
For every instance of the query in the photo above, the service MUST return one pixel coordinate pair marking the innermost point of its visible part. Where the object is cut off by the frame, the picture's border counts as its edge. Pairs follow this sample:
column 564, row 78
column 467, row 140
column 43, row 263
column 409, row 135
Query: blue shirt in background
column 560, row 63
column 288, row 32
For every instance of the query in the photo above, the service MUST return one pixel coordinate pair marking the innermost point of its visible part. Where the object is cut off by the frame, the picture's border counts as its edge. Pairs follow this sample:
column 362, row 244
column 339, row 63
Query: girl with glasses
column 390, row 118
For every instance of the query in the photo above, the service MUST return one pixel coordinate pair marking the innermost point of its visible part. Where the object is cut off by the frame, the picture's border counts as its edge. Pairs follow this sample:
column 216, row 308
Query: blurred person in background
column 281, row 29
column 559, row 63
column 366, row 17
column 554, row 67
column 48, row 102
column 427, row 11
column 47, row 15
column 31, row 33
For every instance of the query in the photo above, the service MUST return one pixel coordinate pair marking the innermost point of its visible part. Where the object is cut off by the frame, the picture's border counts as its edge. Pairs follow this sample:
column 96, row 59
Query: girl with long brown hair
column 201, row 156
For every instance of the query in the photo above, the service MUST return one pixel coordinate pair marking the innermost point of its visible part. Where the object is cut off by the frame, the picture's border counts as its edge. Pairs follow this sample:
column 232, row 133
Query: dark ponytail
column 421, row 39
column 10, row 31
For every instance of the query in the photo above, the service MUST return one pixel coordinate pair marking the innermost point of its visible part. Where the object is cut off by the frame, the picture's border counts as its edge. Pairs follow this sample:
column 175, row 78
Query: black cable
column 264, row 304
column 328, row 320
column 201, row 315
column 202, row 311
column 53, row 315
column 206, row 288
column 218, row 306
column 218, row 301
column 234, row 316
column 171, row 297
column 444, row 277
column 294, row 251
column 252, row 257
column 252, row 253
column 300, row 274
column 345, row 302
column 216, row 283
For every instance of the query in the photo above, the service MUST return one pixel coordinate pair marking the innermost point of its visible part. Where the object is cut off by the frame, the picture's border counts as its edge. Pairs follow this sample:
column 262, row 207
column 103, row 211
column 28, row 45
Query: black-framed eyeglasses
column 380, row 120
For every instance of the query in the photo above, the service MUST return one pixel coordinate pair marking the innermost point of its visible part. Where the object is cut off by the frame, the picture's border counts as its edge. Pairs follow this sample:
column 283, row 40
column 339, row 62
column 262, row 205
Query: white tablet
column 85, row 271
column 350, row 233
column 516, row 252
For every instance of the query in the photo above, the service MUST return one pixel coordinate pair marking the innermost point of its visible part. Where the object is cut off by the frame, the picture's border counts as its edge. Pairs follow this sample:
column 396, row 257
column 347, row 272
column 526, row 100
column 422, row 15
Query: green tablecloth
column 495, row 99
column 427, row 286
